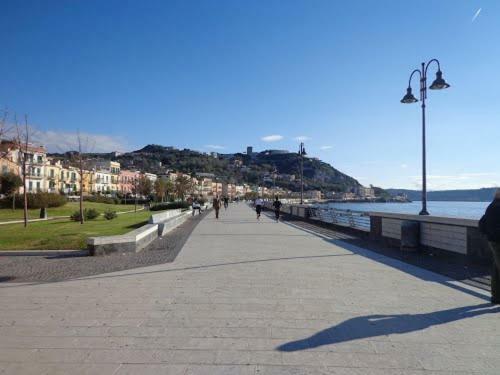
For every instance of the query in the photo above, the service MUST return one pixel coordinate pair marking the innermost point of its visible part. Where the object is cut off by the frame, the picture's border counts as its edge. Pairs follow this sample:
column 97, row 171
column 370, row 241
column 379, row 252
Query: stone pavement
column 248, row 297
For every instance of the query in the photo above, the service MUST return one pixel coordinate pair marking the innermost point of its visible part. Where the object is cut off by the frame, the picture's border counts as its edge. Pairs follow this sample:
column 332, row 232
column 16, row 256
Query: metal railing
column 347, row 218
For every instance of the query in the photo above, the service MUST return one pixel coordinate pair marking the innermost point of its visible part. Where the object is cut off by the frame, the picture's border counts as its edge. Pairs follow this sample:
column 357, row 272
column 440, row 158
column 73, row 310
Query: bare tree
column 23, row 136
column 5, row 130
column 79, row 160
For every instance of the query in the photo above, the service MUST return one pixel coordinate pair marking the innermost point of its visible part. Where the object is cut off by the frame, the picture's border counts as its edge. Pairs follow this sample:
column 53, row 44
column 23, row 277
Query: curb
column 24, row 253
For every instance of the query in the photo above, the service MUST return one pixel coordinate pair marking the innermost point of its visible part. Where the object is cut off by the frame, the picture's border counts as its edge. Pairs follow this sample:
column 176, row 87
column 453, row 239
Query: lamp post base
column 424, row 212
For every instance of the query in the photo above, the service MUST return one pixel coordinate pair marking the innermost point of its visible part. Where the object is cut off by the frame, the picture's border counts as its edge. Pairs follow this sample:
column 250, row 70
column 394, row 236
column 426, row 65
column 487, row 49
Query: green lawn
column 61, row 234
column 7, row 214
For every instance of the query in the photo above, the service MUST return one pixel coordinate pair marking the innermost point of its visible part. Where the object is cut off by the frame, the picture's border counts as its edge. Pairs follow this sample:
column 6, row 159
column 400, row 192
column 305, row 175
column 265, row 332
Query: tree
column 163, row 188
column 169, row 188
column 183, row 186
column 9, row 183
column 160, row 188
column 144, row 186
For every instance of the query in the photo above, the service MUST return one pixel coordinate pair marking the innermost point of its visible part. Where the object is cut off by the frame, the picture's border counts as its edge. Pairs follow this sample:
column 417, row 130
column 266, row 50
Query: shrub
column 100, row 199
column 75, row 216
column 37, row 200
column 88, row 214
column 169, row 206
column 110, row 215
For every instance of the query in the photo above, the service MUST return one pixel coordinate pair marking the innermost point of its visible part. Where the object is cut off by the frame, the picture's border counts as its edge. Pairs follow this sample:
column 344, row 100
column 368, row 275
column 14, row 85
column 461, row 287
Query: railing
column 347, row 218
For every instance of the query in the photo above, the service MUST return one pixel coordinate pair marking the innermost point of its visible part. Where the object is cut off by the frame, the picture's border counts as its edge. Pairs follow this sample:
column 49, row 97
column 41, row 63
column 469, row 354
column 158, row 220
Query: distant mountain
column 239, row 167
column 466, row 195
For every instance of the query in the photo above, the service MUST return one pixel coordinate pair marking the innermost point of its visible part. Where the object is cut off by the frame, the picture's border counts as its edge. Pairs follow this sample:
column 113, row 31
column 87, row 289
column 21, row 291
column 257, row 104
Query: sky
column 222, row 75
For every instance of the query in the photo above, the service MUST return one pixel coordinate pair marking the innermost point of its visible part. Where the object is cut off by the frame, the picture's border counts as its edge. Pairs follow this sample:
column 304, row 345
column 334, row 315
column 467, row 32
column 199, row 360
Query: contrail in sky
column 476, row 15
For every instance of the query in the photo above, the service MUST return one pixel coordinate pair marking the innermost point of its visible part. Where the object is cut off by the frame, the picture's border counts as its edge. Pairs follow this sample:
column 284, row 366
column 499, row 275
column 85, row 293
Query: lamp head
column 439, row 83
column 409, row 98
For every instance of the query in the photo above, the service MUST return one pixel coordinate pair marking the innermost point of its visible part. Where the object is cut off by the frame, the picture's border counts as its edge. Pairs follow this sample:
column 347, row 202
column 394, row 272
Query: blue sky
column 200, row 74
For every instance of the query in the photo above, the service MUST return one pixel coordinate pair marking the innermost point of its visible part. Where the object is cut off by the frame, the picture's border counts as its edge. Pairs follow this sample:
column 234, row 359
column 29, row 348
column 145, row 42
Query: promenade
column 249, row 297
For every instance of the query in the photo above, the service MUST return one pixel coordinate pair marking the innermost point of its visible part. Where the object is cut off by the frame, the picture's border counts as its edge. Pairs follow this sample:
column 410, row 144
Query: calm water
column 466, row 210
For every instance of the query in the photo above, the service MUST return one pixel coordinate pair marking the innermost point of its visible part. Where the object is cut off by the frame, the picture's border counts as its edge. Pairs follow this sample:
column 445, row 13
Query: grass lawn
column 62, row 234
column 6, row 214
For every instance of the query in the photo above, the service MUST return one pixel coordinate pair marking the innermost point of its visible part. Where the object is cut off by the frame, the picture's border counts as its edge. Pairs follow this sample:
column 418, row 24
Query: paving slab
column 248, row 296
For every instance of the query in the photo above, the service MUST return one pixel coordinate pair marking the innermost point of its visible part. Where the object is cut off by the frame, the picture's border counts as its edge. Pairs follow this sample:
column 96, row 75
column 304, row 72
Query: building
column 217, row 188
column 127, row 180
column 150, row 176
column 36, row 160
column 205, row 187
column 312, row 194
column 101, row 183
column 249, row 150
column 8, row 159
column 69, row 182
column 365, row 192
column 88, row 181
column 104, row 169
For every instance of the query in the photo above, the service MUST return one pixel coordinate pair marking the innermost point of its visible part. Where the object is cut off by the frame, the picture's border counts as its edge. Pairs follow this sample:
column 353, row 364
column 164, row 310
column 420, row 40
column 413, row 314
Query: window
column 51, row 173
column 38, row 186
column 40, row 158
column 30, row 185
column 38, row 171
column 62, row 175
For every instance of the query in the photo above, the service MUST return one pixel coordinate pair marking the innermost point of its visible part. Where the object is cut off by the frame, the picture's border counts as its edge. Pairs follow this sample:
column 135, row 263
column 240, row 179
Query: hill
column 466, row 195
column 238, row 168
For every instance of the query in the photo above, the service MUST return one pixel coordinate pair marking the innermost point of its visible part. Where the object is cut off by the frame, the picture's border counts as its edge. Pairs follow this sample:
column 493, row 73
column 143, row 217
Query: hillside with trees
column 264, row 168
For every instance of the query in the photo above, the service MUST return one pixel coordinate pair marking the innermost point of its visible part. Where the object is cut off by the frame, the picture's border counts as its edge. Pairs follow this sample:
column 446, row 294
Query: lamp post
column 438, row 84
column 302, row 152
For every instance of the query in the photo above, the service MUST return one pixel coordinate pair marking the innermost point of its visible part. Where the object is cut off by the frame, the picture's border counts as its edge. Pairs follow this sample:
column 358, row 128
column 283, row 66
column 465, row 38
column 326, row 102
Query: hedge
column 36, row 200
column 169, row 206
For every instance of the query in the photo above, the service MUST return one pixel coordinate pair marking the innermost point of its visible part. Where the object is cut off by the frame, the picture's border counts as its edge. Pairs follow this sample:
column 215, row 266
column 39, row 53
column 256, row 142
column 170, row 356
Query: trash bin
column 43, row 213
column 410, row 235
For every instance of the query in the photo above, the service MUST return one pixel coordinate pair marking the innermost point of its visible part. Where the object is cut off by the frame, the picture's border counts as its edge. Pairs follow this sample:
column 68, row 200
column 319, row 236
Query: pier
column 253, row 297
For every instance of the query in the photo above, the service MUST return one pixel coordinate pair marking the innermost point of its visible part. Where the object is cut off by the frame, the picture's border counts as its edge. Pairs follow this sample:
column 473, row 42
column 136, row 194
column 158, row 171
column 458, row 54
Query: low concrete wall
column 459, row 236
column 133, row 241
column 138, row 239
column 173, row 222
column 163, row 216
column 438, row 234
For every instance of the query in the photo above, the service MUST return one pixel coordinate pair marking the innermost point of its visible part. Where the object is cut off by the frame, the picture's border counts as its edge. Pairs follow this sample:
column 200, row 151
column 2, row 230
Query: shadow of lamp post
column 438, row 84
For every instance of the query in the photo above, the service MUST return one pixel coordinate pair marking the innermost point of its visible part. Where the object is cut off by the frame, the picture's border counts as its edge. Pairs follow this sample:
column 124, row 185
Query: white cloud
column 56, row 141
column 326, row 148
column 476, row 15
column 215, row 147
column 474, row 180
column 272, row 138
column 302, row 138
column 404, row 166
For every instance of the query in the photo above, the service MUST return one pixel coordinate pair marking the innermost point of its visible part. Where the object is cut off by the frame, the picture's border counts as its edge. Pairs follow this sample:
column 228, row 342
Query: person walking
column 226, row 202
column 490, row 226
column 277, row 207
column 216, row 205
column 196, row 206
column 258, row 206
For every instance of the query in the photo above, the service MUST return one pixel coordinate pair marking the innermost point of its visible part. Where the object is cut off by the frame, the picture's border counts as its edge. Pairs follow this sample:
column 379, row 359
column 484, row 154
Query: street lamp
column 438, row 84
column 302, row 153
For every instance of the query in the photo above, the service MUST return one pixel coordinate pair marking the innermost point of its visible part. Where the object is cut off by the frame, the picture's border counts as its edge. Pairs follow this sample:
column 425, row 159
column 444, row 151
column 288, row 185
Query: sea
column 464, row 210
